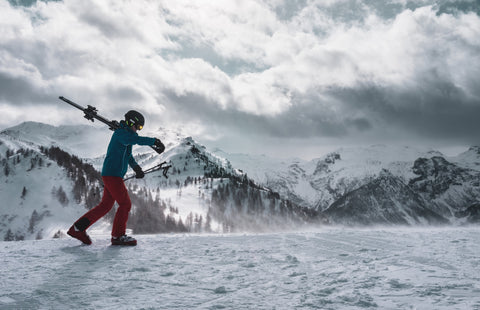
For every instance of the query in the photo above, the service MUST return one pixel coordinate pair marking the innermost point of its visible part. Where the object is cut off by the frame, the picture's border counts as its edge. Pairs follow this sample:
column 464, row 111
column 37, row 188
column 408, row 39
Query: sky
column 276, row 77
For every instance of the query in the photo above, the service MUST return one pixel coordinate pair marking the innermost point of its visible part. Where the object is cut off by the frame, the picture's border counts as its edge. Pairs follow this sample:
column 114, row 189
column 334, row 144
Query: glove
column 138, row 172
column 158, row 146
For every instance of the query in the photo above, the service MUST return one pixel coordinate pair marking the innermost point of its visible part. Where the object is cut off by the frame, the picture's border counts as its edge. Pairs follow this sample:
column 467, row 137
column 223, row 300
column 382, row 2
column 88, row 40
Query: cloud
column 340, row 70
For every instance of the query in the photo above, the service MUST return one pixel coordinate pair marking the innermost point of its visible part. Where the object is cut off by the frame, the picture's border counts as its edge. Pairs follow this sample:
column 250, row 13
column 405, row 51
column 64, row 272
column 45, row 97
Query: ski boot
column 124, row 240
column 79, row 234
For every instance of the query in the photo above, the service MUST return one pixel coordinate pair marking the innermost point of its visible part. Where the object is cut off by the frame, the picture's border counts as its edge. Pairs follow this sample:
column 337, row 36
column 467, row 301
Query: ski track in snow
column 332, row 268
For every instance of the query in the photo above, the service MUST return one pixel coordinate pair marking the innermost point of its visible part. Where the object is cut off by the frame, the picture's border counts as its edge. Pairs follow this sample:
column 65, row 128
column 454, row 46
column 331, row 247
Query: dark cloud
column 22, row 2
column 20, row 90
column 435, row 109
column 288, row 9
column 122, row 94
column 335, row 70
column 94, row 16
column 311, row 118
column 48, row 62
column 206, row 52
column 456, row 7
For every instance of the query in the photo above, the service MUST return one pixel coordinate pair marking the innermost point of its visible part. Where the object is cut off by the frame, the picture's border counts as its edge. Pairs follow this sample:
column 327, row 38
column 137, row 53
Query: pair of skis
column 91, row 113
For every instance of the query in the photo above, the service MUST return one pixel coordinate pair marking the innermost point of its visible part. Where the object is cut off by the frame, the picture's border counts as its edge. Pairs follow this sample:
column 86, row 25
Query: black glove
column 138, row 172
column 158, row 146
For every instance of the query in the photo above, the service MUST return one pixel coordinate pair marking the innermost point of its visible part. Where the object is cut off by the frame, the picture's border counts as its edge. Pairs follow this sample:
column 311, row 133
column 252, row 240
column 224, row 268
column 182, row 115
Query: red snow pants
column 114, row 190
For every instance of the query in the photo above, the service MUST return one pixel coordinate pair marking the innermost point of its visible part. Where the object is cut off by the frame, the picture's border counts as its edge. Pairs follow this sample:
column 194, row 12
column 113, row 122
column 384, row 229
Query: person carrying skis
column 115, row 165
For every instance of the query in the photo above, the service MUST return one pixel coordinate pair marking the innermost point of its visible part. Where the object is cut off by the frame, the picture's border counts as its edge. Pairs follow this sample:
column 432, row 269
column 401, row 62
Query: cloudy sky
column 281, row 77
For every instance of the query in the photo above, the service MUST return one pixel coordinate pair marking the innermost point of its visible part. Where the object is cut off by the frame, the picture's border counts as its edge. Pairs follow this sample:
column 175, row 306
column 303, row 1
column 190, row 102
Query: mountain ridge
column 205, row 189
column 48, row 178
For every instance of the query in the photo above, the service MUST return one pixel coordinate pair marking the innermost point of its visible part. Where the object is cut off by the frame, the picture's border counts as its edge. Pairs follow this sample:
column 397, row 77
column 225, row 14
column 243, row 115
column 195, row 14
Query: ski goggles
column 139, row 127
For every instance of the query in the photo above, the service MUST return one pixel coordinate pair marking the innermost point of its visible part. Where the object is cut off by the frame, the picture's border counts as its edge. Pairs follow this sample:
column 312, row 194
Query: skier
column 115, row 165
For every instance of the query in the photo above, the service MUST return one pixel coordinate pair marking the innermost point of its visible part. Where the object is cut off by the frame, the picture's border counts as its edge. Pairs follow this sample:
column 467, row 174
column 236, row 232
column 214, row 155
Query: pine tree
column 24, row 193
column 39, row 235
column 9, row 236
column 33, row 221
column 181, row 226
column 189, row 222
column 208, row 223
column 170, row 224
column 6, row 169
column 61, row 196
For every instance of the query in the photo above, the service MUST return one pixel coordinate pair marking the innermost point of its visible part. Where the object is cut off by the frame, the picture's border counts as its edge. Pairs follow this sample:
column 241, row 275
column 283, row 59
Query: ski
column 90, row 113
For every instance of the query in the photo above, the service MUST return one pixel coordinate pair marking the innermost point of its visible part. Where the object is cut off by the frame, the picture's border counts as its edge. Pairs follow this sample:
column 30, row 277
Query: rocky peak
column 385, row 199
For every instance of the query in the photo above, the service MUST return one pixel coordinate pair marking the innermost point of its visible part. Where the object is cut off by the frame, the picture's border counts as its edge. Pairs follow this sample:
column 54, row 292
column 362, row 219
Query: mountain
column 47, row 185
column 77, row 140
column 340, row 184
column 38, row 195
column 448, row 187
column 50, row 176
column 320, row 182
column 384, row 200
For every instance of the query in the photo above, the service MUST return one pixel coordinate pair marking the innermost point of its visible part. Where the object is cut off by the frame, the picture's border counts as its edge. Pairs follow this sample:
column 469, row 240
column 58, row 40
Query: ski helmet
column 134, row 118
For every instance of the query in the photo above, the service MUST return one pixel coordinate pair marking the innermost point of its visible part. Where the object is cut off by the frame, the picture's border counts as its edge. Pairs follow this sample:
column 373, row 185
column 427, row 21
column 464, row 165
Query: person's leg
column 78, row 229
column 99, row 211
column 120, row 194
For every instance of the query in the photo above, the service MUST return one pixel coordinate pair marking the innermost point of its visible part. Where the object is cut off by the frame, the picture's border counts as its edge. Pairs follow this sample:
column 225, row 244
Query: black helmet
column 134, row 118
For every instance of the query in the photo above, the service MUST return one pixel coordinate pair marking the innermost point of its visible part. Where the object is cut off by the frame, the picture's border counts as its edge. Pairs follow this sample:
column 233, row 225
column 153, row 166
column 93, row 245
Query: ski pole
column 153, row 169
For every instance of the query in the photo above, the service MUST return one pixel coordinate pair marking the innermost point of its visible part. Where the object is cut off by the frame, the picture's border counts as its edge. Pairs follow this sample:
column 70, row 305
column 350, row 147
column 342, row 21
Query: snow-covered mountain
column 385, row 199
column 37, row 195
column 80, row 140
column 399, row 185
column 469, row 159
column 49, row 175
column 321, row 181
column 47, row 183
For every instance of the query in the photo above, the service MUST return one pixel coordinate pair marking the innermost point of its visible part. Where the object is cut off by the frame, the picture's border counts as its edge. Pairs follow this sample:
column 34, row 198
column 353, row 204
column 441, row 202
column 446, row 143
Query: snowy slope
column 30, row 190
column 185, row 197
column 334, row 268
column 87, row 141
column 469, row 159
column 81, row 140
column 257, row 167
column 181, row 202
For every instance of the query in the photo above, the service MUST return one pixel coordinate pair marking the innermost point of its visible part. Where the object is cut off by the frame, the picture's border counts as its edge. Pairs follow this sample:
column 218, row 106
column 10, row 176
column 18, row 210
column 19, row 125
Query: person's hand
column 158, row 146
column 139, row 174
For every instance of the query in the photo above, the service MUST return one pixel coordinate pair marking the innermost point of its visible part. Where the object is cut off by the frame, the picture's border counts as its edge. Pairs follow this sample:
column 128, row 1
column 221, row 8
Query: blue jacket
column 119, row 153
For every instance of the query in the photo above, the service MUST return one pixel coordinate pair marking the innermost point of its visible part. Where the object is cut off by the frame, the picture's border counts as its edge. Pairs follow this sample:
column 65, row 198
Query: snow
column 326, row 268
column 344, row 169
column 39, row 183
column 257, row 167
column 78, row 140
column 469, row 159
column 334, row 268
column 314, row 184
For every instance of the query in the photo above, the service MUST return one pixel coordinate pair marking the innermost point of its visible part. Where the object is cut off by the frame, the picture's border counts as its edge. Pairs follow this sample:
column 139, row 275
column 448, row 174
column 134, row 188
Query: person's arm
column 136, row 167
column 132, row 162
column 131, row 138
